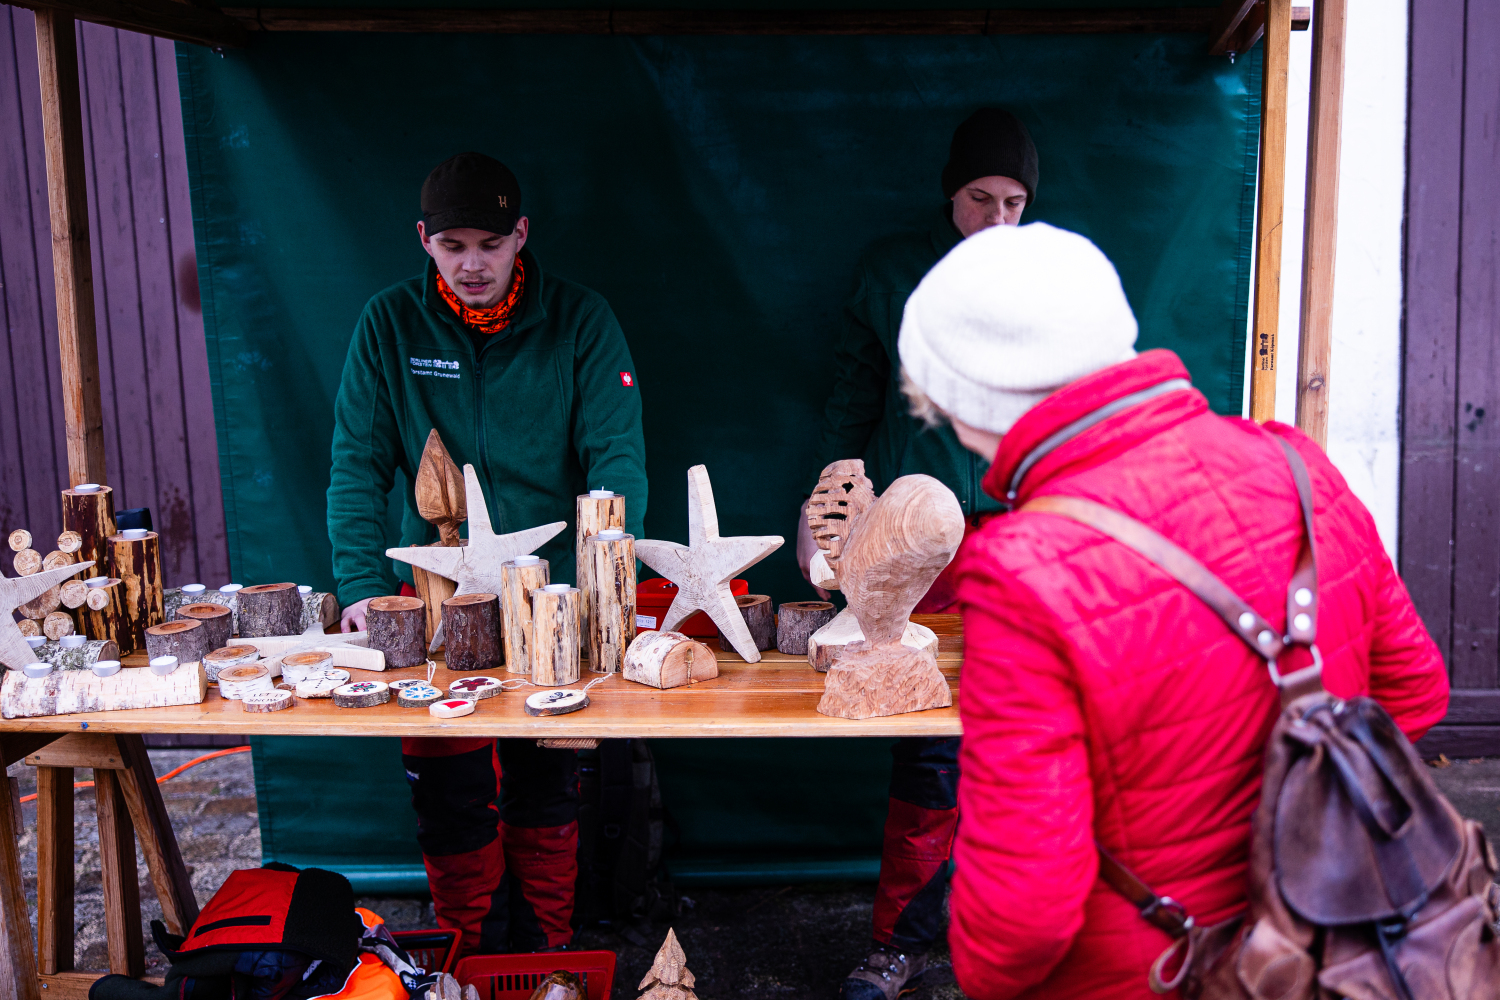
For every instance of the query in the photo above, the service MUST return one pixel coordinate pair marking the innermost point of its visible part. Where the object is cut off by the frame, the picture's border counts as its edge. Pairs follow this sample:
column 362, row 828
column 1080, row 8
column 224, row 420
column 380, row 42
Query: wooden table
column 776, row 697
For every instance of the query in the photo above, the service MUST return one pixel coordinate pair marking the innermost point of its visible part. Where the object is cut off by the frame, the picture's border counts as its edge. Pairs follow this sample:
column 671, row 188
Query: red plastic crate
column 434, row 950
column 515, row 977
column 654, row 597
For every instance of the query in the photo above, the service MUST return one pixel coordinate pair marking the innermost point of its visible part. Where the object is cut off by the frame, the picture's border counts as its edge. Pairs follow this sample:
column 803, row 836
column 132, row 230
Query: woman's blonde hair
column 923, row 408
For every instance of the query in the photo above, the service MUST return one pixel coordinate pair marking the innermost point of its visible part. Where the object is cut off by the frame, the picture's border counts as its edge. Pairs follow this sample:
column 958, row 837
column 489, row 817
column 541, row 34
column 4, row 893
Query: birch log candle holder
column 135, row 557
column 78, row 657
column 398, row 628
column 88, row 510
column 556, row 611
column 104, row 613
column 216, row 620
column 519, row 577
column 64, row 692
column 318, row 608
column 597, row 510
column 760, row 618
column 471, row 623
column 612, row 625
column 668, row 660
column 185, row 639
column 270, row 609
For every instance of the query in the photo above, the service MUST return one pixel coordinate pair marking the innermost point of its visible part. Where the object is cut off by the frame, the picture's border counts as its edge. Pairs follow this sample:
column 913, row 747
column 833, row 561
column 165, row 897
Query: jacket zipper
column 484, row 451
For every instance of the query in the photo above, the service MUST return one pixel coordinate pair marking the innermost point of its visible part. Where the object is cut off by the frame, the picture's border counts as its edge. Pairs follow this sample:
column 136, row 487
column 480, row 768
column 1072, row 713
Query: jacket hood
column 1080, row 398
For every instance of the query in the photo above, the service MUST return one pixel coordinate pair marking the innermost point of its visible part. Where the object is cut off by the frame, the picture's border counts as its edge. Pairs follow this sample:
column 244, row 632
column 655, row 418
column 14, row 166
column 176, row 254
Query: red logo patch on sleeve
column 627, row 379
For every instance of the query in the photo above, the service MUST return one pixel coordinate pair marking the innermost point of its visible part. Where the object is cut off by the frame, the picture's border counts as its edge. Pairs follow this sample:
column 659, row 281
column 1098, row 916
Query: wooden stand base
column 868, row 682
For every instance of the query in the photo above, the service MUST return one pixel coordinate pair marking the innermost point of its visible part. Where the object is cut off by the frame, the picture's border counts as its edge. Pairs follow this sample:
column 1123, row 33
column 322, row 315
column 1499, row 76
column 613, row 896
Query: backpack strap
column 1243, row 620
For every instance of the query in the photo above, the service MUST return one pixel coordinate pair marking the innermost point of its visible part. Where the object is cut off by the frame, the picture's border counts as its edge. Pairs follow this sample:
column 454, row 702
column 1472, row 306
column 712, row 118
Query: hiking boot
column 882, row 975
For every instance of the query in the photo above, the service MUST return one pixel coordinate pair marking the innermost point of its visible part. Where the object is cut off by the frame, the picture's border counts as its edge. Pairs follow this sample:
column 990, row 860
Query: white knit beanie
column 1012, row 314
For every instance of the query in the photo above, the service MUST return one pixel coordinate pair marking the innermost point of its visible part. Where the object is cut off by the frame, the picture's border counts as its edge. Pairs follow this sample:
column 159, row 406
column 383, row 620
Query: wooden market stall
column 775, row 698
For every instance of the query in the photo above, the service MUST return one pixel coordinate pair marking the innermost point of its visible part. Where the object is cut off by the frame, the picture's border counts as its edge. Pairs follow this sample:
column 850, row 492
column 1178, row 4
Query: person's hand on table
column 807, row 547
column 353, row 618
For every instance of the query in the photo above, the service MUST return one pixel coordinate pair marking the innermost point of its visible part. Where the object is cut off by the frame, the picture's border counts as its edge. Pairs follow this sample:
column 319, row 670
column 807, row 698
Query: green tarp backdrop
column 717, row 191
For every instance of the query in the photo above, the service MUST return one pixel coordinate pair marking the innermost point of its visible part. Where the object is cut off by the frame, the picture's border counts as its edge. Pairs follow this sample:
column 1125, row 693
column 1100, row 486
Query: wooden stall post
column 72, row 267
column 1320, row 230
column 17, row 959
column 1269, row 211
column 122, row 897
column 54, row 869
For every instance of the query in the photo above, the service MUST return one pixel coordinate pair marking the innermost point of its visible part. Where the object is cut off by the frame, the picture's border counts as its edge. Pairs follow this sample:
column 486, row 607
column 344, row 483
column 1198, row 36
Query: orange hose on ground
column 166, row 777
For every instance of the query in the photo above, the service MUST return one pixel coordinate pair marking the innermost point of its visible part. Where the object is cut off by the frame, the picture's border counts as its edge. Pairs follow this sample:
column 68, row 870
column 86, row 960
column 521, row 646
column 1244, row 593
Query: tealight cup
column 36, row 670
column 161, row 666
column 105, row 668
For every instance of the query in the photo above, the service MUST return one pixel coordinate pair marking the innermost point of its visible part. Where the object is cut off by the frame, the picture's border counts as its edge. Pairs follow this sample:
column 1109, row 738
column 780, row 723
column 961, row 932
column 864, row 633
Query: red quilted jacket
column 1101, row 699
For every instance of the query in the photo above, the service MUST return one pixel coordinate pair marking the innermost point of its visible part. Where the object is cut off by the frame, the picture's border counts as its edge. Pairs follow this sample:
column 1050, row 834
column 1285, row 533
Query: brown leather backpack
column 1365, row 882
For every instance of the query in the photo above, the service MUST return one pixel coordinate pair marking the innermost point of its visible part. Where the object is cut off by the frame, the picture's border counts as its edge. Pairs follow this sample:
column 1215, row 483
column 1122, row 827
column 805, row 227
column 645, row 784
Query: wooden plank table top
column 775, row 697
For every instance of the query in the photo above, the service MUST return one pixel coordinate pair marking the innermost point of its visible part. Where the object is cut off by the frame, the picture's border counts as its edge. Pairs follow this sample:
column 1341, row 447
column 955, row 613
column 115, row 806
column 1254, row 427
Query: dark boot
column 882, row 975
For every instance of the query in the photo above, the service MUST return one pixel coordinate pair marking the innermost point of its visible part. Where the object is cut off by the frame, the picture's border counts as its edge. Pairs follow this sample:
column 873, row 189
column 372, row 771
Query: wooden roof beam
column 163, row 18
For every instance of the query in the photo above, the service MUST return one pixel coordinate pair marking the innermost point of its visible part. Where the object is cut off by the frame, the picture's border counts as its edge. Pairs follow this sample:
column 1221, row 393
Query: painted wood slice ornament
column 320, row 687
column 247, row 678
column 556, row 702
column 267, row 701
column 406, row 682
column 475, row 688
column 418, row 695
column 451, row 708
column 362, row 694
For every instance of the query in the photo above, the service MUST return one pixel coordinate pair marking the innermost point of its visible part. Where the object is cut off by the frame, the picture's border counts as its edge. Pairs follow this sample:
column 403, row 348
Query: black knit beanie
column 991, row 142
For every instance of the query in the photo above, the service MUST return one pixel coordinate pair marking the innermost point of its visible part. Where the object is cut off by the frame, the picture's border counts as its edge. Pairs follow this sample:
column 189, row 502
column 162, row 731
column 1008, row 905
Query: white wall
column 1365, row 372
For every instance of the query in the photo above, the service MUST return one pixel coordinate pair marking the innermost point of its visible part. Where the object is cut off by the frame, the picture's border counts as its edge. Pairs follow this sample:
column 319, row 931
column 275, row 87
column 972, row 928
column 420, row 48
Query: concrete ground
column 755, row 944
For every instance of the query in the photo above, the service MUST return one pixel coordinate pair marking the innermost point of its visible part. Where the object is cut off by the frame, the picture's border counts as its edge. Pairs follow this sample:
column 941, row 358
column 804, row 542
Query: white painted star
column 703, row 568
column 476, row 567
column 16, row 591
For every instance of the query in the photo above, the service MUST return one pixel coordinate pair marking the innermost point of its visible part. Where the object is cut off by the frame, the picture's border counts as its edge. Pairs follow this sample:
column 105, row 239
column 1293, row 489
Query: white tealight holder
column 611, row 534
column 134, row 534
column 36, row 641
column 86, row 488
column 231, row 588
column 557, row 588
column 601, row 494
column 96, row 582
column 304, row 590
column 36, row 670
column 72, row 641
column 192, row 590
column 105, row 668
column 163, row 665
column 528, row 560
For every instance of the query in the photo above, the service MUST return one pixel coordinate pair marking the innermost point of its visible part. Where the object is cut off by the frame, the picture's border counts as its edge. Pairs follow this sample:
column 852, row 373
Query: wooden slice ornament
column 475, row 688
column 275, row 700
column 215, row 618
column 247, row 678
column 228, row 656
column 361, row 694
column 398, row 628
column 69, row 542
column 418, row 695
column 452, row 708
column 760, row 618
column 320, row 687
column 27, row 562
column 545, row 703
column 20, row 540
column 57, row 624
column 407, row 682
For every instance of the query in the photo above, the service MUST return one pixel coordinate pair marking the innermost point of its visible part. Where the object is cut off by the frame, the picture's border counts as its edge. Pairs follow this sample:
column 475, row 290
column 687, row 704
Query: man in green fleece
column 989, row 180
column 527, row 377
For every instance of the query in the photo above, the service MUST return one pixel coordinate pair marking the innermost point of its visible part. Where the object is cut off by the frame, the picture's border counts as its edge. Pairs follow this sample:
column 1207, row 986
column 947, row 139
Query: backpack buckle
column 1297, row 677
column 1168, row 915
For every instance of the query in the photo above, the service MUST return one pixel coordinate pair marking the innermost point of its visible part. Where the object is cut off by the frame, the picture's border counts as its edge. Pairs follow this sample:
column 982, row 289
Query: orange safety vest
column 370, row 979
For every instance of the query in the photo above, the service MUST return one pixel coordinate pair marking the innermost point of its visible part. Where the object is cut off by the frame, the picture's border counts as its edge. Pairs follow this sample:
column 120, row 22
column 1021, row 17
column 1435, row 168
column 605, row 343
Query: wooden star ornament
column 475, row 567
column 16, row 591
column 703, row 568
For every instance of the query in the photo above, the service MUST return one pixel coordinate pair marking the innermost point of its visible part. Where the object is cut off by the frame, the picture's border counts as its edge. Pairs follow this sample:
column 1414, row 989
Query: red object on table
column 515, row 977
column 433, row 950
column 654, row 597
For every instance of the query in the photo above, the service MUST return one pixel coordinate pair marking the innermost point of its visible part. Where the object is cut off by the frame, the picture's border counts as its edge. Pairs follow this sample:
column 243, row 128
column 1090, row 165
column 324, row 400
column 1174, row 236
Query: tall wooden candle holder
column 519, row 577
column 598, row 510
column 90, row 513
column 135, row 557
column 612, row 625
column 104, row 615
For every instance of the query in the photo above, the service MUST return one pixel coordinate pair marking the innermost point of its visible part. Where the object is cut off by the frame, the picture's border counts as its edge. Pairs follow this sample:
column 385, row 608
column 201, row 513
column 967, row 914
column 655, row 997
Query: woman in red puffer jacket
column 1100, row 698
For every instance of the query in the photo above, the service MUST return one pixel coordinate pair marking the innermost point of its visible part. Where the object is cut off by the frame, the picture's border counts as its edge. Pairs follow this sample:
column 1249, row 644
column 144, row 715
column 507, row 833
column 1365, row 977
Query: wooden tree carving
column 669, row 978
column 888, row 555
column 439, row 489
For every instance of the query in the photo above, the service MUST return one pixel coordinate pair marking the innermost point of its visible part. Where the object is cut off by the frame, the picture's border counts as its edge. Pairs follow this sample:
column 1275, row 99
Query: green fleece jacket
column 544, row 410
column 868, row 416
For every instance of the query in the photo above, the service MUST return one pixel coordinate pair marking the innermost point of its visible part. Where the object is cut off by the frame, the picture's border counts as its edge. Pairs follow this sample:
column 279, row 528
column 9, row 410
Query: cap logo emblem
column 502, row 201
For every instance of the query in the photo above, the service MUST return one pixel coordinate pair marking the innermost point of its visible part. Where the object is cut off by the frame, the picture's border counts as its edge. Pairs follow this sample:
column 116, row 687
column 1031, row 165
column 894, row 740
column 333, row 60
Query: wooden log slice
column 556, row 610
column 69, row 542
column 247, row 678
column 78, row 657
column 137, row 562
column 91, row 516
column 595, row 514
column 27, row 562
column 612, row 614
column 104, row 614
column 796, row 621
column 185, row 639
column 43, row 604
column 475, row 688
column 270, row 609
column 320, row 609
column 20, row 540
column 228, row 656
column 274, row 700
column 518, row 579
column 545, row 703
column 58, row 624
column 297, row 667
column 669, row 659
column 471, row 623
column 73, row 594
column 57, row 559
column 29, row 627
column 760, row 617
column 361, row 694
column 418, row 695
column 398, row 628
column 215, row 618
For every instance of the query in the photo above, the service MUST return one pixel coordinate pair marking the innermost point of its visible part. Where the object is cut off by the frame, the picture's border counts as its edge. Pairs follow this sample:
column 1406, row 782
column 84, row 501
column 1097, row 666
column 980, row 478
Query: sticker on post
column 645, row 621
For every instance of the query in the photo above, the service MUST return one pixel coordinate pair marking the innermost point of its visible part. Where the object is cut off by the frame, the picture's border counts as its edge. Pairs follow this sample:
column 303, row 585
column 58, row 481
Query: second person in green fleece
column 527, row 377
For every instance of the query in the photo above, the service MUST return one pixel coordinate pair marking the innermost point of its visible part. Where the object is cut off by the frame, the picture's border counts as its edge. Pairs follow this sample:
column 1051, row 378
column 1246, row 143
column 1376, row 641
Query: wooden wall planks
column 1450, row 490
column 158, row 413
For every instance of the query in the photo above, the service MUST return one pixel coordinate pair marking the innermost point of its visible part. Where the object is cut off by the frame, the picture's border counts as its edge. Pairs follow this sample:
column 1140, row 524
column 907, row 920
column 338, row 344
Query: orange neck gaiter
column 498, row 316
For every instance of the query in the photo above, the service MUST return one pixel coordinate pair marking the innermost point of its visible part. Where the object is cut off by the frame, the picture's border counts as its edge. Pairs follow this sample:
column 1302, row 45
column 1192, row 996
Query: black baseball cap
column 471, row 191
column 991, row 142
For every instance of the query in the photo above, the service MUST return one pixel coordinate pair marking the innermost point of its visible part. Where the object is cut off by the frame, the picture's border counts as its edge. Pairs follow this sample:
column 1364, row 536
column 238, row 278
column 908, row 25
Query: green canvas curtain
column 717, row 191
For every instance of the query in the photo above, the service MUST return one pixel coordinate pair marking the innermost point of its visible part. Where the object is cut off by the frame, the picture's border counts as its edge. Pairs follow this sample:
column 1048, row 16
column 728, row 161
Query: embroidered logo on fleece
column 441, row 368
column 627, row 380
